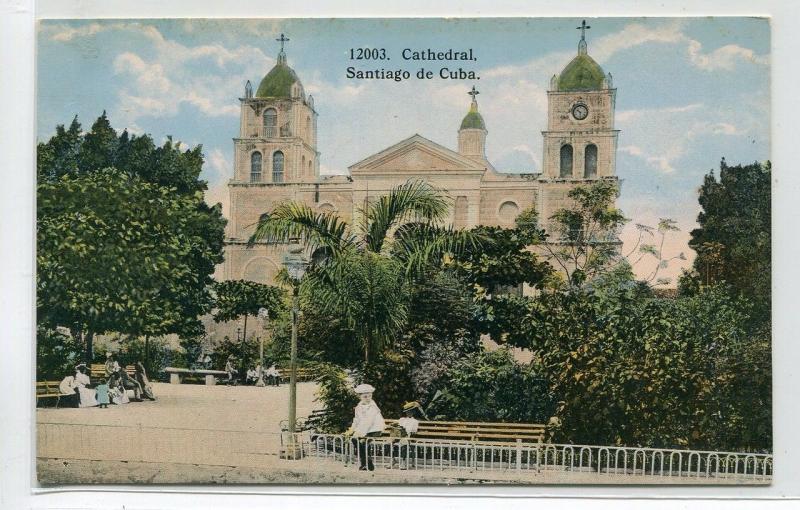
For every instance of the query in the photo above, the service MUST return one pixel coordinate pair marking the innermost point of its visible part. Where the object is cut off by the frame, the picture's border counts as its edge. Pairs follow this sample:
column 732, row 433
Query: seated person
column 252, row 376
column 67, row 389
column 273, row 376
column 229, row 368
column 86, row 395
column 408, row 426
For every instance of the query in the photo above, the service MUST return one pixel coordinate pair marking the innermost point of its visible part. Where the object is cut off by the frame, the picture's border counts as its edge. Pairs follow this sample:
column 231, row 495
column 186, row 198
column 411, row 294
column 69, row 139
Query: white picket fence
column 425, row 454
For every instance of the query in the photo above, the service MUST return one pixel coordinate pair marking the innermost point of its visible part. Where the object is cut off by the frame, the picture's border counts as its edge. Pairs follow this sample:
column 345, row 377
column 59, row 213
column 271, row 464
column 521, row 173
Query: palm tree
column 362, row 272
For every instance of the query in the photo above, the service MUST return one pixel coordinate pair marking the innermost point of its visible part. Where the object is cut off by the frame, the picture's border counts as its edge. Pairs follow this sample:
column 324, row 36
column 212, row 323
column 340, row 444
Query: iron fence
column 426, row 454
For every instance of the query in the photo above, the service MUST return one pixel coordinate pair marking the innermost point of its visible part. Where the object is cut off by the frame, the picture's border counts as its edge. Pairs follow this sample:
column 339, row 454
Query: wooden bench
column 176, row 375
column 48, row 389
column 475, row 431
column 99, row 370
column 303, row 374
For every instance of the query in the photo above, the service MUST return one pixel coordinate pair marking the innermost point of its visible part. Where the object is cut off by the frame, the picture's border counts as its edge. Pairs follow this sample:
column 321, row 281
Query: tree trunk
column 243, row 371
column 147, row 353
column 88, row 340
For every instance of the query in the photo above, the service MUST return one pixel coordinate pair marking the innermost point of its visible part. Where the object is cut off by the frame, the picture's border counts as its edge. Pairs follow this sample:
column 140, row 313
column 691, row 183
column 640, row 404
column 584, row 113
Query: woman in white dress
column 87, row 396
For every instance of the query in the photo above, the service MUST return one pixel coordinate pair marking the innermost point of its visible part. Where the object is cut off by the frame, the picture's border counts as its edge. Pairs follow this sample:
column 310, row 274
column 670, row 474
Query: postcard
column 404, row 251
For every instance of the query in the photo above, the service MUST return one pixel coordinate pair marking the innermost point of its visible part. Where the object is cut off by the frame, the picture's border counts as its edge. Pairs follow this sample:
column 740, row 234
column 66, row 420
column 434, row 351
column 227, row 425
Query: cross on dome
column 473, row 92
column 583, row 28
column 582, row 43
column 282, row 54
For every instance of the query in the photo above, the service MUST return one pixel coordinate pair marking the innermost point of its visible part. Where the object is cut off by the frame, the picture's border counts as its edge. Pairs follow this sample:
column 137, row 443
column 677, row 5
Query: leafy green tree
column 504, row 262
column 125, row 241
column 491, row 386
column 733, row 243
column 583, row 240
column 56, row 354
column 243, row 298
column 654, row 372
column 361, row 272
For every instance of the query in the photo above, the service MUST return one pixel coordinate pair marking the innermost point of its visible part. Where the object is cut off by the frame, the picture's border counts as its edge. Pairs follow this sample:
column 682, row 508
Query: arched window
column 277, row 167
column 255, row 167
column 508, row 212
column 308, row 128
column 590, row 162
column 270, row 122
column 310, row 167
column 302, row 165
column 566, row 161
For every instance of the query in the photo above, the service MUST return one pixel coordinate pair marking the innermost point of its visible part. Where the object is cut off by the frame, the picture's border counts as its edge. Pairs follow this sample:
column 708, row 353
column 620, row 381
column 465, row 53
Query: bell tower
column 277, row 140
column 472, row 133
column 580, row 142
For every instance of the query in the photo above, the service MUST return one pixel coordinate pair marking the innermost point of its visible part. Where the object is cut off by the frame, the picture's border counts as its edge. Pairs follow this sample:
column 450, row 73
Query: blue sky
column 689, row 91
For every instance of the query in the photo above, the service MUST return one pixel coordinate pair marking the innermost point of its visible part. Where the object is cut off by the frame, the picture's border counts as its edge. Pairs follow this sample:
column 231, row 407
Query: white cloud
column 725, row 57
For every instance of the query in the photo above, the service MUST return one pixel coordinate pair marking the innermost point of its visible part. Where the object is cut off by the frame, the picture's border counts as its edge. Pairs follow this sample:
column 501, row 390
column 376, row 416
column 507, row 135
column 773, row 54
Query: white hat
column 364, row 388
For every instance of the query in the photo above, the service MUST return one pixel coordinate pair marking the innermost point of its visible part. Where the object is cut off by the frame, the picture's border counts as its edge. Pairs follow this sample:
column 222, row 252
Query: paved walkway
column 222, row 434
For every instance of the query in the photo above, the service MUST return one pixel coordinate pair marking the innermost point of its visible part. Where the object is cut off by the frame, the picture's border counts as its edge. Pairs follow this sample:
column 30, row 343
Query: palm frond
column 420, row 245
column 414, row 200
column 314, row 229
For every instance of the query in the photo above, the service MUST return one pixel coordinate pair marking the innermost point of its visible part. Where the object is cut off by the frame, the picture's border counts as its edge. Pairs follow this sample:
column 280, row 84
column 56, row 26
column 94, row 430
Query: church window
column 270, row 122
column 508, row 212
column 255, row 167
column 590, row 162
column 566, row 161
column 302, row 164
column 308, row 128
column 310, row 167
column 277, row 167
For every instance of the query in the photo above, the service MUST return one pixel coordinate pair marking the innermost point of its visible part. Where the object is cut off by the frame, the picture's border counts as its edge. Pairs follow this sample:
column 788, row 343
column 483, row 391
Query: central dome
column 583, row 73
column 278, row 82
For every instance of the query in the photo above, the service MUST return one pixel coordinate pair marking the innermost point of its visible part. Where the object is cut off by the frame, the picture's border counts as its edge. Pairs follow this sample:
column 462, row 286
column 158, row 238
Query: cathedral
column 276, row 159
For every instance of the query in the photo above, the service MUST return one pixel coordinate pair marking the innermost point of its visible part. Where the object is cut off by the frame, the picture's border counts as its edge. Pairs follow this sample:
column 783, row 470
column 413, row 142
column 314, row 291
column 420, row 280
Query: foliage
column 442, row 308
column 733, row 243
column 654, row 372
column 159, row 355
column 235, row 298
column 125, row 241
column 56, row 354
column 504, row 262
column 654, row 249
column 491, row 386
column 434, row 362
column 361, row 274
column 336, row 394
column 368, row 292
column 583, row 240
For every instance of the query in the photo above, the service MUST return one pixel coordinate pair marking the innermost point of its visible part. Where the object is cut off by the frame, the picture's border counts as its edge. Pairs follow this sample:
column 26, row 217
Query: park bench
column 475, row 431
column 48, row 389
column 99, row 370
column 176, row 375
column 303, row 374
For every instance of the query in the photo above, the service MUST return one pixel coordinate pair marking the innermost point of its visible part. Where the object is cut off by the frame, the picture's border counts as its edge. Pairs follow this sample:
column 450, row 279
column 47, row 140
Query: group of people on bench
column 270, row 376
column 111, row 388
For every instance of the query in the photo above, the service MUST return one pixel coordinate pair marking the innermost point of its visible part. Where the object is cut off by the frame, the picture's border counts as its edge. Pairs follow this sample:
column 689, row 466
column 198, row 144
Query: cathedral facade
column 276, row 159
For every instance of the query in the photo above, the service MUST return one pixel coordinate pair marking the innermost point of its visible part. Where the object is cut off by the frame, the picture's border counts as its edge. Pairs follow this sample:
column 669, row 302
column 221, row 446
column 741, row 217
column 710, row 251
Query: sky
column 689, row 92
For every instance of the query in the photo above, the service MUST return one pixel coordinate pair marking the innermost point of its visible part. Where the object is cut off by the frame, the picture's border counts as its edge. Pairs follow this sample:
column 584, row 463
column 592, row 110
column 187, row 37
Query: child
column 102, row 394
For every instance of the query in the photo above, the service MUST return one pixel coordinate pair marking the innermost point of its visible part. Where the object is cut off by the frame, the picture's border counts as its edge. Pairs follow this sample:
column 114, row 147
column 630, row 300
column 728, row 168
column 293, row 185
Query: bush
column 336, row 394
column 492, row 386
column 56, row 355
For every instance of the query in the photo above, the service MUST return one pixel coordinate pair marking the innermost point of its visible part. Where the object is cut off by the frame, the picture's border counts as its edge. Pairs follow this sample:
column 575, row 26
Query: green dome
column 473, row 120
column 278, row 82
column 583, row 73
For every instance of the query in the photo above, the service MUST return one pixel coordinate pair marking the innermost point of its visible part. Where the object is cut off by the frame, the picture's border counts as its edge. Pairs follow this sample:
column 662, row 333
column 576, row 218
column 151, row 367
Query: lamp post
column 296, row 264
column 263, row 314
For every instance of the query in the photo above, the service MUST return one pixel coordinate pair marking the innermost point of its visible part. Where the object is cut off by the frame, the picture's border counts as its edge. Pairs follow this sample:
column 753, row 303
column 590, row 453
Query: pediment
column 413, row 155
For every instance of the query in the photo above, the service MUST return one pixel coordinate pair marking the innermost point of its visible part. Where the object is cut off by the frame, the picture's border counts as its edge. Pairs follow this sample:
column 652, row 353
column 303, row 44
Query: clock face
column 580, row 111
